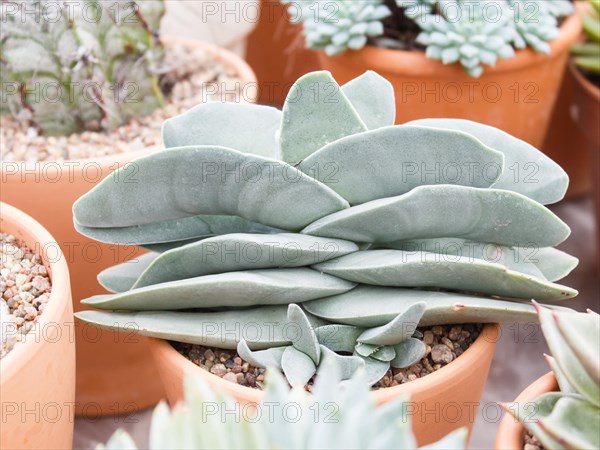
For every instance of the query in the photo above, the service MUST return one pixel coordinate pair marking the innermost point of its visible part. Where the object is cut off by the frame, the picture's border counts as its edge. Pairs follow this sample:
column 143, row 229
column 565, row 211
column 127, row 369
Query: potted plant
column 286, row 419
column 124, row 81
column 585, row 69
column 497, row 62
column 561, row 409
column 37, row 347
column 291, row 223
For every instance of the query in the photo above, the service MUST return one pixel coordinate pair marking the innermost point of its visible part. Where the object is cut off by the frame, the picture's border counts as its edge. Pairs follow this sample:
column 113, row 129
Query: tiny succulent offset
column 568, row 418
column 453, row 31
column 587, row 54
column 285, row 419
column 324, row 230
column 68, row 67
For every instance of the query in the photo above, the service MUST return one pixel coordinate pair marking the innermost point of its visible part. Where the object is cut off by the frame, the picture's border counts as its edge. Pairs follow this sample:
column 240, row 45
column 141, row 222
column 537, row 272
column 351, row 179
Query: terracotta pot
column 511, row 432
column 37, row 378
column 440, row 402
column 517, row 95
column 565, row 144
column 115, row 372
column 277, row 53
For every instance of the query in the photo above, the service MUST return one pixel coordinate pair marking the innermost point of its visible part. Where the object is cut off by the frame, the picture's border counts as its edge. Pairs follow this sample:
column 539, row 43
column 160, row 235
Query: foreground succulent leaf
column 374, row 368
column 401, row 158
column 114, row 203
column 261, row 327
column 484, row 215
column 408, row 352
column 528, row 171
column 573, row 423
column 563, row 383
column 373, row 306
column 174, row 231
column 315, row 99
column 255, row 128
column 553, row 263
column 121, row 278
column 305, row 339
column 233, row 252
column 348, row 365
column 571, row 366
column 231, row 289
column 297, row 366
column 424, row 269
column 373, row 99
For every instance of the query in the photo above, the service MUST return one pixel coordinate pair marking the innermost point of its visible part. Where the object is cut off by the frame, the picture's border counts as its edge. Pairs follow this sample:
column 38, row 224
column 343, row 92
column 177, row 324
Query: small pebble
column 441, row 354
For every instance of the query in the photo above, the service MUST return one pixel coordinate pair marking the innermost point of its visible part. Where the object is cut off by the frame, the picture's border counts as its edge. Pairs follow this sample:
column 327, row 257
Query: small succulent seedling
column 568, row 418
column 329, row 220
column 587, row 54
column 453, row 31
column 336, row 416
column 67, row 67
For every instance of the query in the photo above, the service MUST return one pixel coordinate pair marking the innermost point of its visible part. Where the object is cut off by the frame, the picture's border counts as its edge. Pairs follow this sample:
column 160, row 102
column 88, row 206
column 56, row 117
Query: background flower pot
column 442, row 401
column 115, row 372
column 586, row 114
column 511, row 432
column 37, row 378
column 277, row 53
column 517, row 95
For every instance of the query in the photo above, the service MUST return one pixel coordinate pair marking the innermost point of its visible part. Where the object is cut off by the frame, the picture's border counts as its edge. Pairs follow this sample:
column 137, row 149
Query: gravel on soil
column 444, row 344
column 24, row 291
column 193, row 73
column 531, row 442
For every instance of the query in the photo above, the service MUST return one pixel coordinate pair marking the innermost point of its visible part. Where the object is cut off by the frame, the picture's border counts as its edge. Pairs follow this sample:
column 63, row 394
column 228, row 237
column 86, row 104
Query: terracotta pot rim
column 221, row 54
column 510, row 433
column 486, row 340
column 592, row 90
column 416, row 63
column 60, row 298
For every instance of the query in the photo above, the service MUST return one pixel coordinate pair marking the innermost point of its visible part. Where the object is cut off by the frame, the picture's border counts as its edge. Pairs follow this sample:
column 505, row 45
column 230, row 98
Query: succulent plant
column 336, row 416
column 73, row 66
column 326, row 219
column 587, row 54
column 453, row 31
column 568, row 418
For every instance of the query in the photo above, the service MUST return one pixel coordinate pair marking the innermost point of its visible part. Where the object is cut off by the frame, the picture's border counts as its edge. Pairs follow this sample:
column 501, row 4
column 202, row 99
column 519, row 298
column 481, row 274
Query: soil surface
column 194, row 78
column 24, row 290
column 444, row 344
column 531, row 443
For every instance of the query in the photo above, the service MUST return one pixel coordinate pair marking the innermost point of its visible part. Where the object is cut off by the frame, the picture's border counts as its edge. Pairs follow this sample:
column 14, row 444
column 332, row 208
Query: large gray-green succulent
column 473, row 33
column 323, row 229
column 336, row 416
column 84, row 65
column 568, row 418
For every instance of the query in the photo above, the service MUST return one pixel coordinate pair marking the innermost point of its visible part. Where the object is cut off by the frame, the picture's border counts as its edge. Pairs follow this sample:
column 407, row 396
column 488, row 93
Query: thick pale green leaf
column 567, row 360
column 231, row 289
column 347, row 365
column 244, row 127
column 270, row 357
column 529, row 413
column 196, row 227
column 298, row 367
column 391, row 161
column 372, row 306
column 483, row 215
column 191, row 181
column 573, row 422
column 408, row 352
column 302, row 334
column 423, row 269
column 121, row 278
column 373, row 99
column 581, row 333
column 385, row 353
column 553, row 263
column 526, row 169
column 233, row 252
column 315, row 113
column 399, row 329
column 337, row 337
column 261, row 327
column 374, row 368
column 365, row 350
column 563, row 383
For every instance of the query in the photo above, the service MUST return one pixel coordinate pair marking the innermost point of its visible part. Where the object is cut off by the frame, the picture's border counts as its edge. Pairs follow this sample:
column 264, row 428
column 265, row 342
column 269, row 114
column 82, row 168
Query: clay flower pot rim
column 510, row 433
column 18, row 358
column 227, row 57
column 591, row 88
column 488, row 337
column 416, row 63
